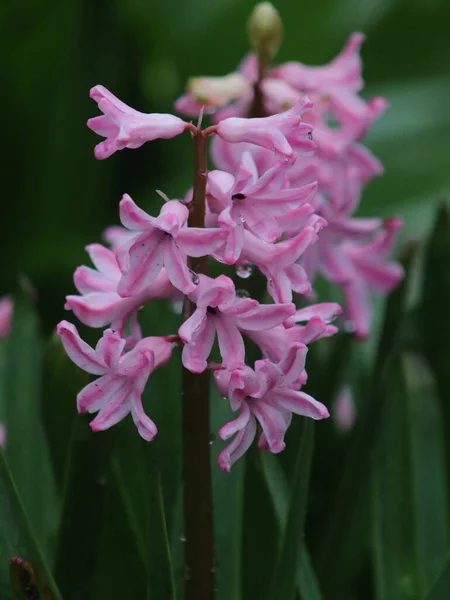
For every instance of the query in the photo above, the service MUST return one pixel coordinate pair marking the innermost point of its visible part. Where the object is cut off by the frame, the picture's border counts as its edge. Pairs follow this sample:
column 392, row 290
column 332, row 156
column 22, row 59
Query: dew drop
column 244, row 270
column 195, row 278
column 241, row 293
column 182, row 538
column 309, row 135
column 212, row 438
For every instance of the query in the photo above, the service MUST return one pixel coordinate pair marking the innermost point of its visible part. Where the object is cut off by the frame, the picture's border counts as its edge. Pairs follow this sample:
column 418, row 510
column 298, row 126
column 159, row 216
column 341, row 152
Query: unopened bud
column 265, row 31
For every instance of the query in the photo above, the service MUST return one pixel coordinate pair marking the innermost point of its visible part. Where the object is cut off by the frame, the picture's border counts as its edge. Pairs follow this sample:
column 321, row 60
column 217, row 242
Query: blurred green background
column 383, row 528
column 57, row 197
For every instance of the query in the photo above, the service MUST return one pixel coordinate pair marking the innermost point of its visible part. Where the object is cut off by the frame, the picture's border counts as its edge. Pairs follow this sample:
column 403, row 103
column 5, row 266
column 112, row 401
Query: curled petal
column 145, row 426
column 300, row 403
column 80, row 352
column 238, row 447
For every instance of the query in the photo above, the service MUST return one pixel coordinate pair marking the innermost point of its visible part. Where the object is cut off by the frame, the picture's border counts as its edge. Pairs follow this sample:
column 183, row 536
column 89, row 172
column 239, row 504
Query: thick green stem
column 197, row 484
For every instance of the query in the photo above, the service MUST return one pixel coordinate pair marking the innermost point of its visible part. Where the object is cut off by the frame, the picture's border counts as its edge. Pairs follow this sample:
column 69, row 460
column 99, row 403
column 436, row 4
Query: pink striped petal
column 230, row 341
column 78, row 351
column 179, row 274
column 145, row 426
column 195, row 354
column 300, row 403
column 238, row 447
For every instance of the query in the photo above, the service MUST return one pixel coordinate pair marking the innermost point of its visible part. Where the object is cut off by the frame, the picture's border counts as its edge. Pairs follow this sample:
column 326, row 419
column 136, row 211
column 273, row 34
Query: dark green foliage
column 101, row 513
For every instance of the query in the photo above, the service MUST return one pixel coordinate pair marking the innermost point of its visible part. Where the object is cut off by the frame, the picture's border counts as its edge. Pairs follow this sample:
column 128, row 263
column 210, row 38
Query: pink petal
column 229, row 429
column 300, row 403
column 146, row 262
column 100, row 393
column 179, row 274
column 114, row 412
column 265, row 316
column 145, row 426
column 78, row 351
column 238, row 447
column 133, row 217
column 195, row 354
column 230, row 341
column 199, row 242
column 110, row 347
column 327, row 311
column 273, row 425
column 193, row 326
column 104, row 261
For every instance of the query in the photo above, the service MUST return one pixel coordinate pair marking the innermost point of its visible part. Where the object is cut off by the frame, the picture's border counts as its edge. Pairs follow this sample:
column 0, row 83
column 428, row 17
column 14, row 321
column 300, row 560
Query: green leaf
column 409, row 487
column 83, row 508
column 27, row 450
column 306, row 579
column 283, row 584
column 440, row 589
column 160, row 570
column 62, row 380
column 433, row 322
column 354, row 477
column 16, row 536
column 228, row 491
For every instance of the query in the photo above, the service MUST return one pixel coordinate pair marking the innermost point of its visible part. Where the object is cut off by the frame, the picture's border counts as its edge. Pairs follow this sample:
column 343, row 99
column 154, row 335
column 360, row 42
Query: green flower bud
column 265, row 31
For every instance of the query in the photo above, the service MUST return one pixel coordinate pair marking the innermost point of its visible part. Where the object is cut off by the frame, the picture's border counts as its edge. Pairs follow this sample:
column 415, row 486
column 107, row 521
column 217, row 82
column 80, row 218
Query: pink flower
column 344, row 412
column 359, row 263
column 2, row 435
column 99, row 303
column 123, row 376
column 263, row 205
column 317, row 318
column 274, row 133
column 278, row 262
column 268, row 396
column 163, row 241
column 6, row 313
column 220, row 312
column 116, row 236
column 124, row 127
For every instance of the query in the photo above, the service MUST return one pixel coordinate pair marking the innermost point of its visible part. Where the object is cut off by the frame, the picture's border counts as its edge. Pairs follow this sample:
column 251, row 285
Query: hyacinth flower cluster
column 281, row 202
column 352, row 252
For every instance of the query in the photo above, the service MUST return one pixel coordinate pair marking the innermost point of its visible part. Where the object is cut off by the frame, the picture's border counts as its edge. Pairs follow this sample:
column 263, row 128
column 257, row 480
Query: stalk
column 197, row 483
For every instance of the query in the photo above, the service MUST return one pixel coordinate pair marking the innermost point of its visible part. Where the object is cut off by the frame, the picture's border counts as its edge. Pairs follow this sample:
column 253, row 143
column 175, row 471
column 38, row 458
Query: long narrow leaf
column 409, row 493
column 306, row 580
column 440, row 590
column 283, row 585
column 16, row 535
column 354, row 479
column 27, row 451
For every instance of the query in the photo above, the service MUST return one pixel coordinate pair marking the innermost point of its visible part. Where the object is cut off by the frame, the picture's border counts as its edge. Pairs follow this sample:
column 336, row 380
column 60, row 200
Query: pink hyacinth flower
column 6, row 313
column 268, row 395
column 99, row 303
column 278, row 262
column 274, row 133
column 2, row 435
column 163, row 241
column 344, row 411
column 317, row 319
column 123, row 376
column 261, row 205
column 124, row 127
column 219, row 311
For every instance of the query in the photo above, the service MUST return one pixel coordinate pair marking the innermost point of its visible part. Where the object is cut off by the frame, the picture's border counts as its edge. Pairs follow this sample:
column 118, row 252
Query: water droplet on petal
column 244, row 270
column 195, row 278
column 212, row 438
column 241, row 293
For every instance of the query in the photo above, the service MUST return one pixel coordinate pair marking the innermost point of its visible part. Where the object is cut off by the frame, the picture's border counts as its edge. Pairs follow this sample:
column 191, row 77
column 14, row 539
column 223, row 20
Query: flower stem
column 197, row 484
column 257, row 107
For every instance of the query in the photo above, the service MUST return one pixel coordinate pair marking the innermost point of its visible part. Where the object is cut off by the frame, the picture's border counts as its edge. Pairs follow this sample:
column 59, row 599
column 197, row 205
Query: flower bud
column 265, row 30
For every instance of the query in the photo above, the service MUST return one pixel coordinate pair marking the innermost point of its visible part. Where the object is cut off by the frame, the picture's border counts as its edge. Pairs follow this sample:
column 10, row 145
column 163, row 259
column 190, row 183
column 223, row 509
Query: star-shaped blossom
column 163, row 241
column 99, row 303
column 123, row 376
column 306, row 326
column 124, row 127
column 219, row 311
column 267, row 395
column 263, row 205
